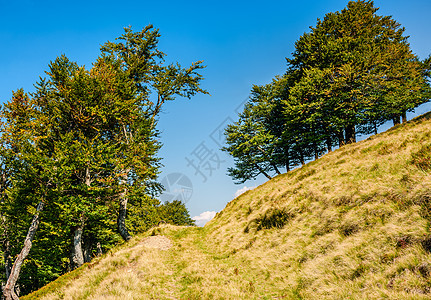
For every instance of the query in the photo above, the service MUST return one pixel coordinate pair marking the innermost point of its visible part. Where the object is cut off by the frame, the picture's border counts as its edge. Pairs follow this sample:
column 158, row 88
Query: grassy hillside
column 354, row 224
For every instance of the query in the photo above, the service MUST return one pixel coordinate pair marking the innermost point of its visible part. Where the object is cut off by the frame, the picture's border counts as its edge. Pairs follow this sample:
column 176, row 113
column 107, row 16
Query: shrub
column 272, row 218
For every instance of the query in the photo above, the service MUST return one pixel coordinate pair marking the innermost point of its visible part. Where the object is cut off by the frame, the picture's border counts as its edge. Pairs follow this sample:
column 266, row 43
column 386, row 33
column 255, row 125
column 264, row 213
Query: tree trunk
column 99, row 249
column 271, row 163
column 316, row 152
column 8, row 291
column 341, row 141
column 77, row 255
column 396, row 119
column 404, row 116
column 263, row 171
column 329, row 145
column 87, row 245
column 122, row 212
column 375, row 128
column 6, row 253
column 287, row 160
column 7, row 262
column 276, row 169
column 350, row 134
column 87, row 177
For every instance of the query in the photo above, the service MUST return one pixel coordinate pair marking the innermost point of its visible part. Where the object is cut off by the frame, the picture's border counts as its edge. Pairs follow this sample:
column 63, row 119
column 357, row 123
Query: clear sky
column 242, row 43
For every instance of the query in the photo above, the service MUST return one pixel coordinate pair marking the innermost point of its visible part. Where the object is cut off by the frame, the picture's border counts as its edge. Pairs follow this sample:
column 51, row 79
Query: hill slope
column 354, row 224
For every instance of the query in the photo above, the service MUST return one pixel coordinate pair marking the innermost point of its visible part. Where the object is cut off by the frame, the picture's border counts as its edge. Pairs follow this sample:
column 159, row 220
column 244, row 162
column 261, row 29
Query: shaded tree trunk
column 122, row 214
column 77, row 255
column 275, row 168
column 122, row 211
column 271, row 163
column 301, row 157
column 99, row 249
column 287, row 159
column 263, row 172
column 404, row 116
column 329, row 145
column 7, row 262
column 350, row 134
column 9, row 289
column 5, row 235
column 340, row 136
column 396, row 119
column 316, row 152
column 86, row 251
column 81, row 249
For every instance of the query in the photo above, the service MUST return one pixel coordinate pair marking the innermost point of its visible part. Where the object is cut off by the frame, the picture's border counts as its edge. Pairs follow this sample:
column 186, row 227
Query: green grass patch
column 422, row 158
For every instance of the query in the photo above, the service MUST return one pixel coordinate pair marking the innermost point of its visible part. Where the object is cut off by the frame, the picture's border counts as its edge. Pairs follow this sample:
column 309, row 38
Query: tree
column 25, row 185
column 350, row 74
column 82, row 145
column 361, row 64
column 251, row 140
column 143, row 64
column 175, row 213
column 74, row 118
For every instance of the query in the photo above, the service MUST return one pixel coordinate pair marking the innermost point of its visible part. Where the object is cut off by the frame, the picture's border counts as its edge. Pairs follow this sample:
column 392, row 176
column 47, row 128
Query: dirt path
column 173, row 265
column 157, row 242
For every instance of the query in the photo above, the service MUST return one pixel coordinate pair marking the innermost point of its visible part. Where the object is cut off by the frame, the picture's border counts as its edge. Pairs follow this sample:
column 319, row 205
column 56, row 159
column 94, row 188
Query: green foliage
column 82, row 143
column 175, row 213
column 150, row 213
column 254, row 139
column 351, row 73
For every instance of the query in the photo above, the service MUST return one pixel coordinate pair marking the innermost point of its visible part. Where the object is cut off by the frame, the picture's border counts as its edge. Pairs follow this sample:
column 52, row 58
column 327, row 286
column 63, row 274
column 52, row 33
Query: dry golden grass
column 135, row 272
column 354, row 224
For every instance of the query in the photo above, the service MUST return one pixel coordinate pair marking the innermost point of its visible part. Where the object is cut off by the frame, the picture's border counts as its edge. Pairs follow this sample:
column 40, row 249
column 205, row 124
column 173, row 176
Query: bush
column 272, row 218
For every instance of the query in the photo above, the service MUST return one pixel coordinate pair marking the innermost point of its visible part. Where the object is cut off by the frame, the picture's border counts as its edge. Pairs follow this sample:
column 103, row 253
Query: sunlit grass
column 354, row 224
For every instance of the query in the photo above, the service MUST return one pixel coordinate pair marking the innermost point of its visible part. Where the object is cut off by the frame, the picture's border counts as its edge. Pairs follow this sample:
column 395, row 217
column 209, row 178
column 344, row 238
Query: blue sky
column 242, row 43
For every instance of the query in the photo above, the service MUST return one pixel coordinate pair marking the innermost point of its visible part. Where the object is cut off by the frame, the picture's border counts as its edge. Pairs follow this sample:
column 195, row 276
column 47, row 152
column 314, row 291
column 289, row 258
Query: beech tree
column 142, row 63
column 250, row 140
column 82, row 145
column 360, row 64
column 26, row 186
column 245, row 141
column 350, row 74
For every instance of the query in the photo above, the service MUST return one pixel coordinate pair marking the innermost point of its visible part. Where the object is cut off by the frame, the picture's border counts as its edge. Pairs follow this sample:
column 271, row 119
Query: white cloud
column 243, row 190
column 204, row 217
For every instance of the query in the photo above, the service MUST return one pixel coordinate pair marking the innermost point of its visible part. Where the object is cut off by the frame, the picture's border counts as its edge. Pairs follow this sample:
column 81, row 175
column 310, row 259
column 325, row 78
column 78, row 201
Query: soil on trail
column 157, row 242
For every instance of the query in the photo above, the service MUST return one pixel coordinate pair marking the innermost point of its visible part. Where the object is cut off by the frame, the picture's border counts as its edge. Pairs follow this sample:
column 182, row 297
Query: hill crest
column 353, row 224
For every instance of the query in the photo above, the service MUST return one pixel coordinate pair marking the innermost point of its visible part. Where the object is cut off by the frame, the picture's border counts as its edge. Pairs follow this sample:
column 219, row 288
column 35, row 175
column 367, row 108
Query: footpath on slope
column 157, row 242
